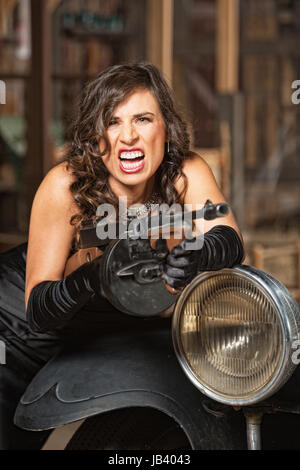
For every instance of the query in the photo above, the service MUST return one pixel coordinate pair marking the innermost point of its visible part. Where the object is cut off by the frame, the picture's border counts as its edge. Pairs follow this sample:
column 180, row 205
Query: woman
column 128, row 140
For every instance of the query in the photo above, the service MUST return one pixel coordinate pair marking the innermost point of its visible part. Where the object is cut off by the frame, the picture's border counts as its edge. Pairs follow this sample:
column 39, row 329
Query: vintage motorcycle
column 206, row 368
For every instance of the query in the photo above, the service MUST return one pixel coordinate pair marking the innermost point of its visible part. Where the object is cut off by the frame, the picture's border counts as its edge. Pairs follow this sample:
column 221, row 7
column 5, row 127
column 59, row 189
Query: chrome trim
column 253, row 423
column 289, row 316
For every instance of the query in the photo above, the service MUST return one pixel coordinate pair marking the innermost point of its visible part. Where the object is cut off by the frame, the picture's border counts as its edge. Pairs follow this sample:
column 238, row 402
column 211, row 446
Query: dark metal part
column 132, row 281
column 154, row 224
column 129, row 367
column 132, row 269
column 213, row 211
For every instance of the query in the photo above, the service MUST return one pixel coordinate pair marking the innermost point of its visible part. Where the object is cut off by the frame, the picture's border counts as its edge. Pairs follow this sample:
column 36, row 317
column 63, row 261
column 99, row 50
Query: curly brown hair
column 100, row 98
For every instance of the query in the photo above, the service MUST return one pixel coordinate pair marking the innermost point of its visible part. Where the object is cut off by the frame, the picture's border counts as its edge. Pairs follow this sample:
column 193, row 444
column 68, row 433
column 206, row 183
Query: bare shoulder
column 195, row 165
column 196, row 171
column 60, row 176
column 55, row 186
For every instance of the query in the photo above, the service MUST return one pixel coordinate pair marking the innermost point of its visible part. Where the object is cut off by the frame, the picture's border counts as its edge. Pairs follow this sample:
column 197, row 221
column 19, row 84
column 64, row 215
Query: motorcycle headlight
column 233, row 333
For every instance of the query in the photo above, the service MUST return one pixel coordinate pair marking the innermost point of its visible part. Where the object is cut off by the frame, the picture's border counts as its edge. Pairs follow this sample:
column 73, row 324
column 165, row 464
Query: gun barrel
column 216, row 210
column 163, row 222
column 160, row 222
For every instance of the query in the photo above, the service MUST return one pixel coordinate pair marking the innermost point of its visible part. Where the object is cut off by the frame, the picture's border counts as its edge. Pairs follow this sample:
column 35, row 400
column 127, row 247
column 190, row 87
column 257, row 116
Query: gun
column 132, row 263
column 156, row 225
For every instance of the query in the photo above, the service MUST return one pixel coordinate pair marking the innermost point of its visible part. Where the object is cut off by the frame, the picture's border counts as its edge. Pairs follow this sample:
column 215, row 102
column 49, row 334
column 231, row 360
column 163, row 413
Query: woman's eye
column 138, row 120
column 144, row 119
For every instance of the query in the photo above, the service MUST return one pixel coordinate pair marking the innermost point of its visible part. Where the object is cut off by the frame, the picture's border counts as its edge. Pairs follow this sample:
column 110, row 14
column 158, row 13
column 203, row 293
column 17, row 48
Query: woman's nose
column 128, row 134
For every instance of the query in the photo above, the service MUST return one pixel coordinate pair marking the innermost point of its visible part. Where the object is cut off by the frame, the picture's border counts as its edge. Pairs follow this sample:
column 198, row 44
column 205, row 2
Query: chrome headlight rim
column 288, row 314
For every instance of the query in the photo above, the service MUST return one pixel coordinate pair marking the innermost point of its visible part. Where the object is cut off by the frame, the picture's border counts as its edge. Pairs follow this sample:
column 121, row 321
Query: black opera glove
column 53, row 303
column 222, row 248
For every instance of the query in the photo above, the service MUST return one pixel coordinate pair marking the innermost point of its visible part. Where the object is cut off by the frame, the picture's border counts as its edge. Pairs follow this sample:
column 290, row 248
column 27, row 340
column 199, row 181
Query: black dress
column 27, row 351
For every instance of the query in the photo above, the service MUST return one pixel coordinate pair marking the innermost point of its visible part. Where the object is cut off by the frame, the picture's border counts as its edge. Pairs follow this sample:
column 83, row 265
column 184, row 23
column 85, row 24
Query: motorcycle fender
column 125, row 369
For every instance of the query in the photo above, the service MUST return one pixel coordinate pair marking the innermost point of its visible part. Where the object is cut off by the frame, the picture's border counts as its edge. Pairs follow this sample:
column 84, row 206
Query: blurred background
column 231, row 64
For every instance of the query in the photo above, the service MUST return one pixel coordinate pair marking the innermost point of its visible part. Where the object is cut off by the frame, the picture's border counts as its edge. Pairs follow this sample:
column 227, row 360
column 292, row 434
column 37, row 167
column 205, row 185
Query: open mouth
column 131, row 161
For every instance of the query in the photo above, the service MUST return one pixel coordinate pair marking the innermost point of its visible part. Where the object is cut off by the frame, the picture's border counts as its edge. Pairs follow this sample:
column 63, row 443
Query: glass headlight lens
column 230, row 335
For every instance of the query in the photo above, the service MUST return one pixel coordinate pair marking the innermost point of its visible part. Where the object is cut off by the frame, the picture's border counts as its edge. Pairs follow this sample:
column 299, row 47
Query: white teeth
column 130, row 166
column 131, row 155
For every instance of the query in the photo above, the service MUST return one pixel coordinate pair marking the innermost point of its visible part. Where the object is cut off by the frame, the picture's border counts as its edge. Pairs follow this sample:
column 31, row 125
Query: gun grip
column 171, row 242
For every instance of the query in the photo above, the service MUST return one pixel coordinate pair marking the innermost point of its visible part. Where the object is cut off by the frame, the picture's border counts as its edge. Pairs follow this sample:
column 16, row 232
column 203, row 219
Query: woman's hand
column 222, row 248
column 51, row 304
column 180, row 266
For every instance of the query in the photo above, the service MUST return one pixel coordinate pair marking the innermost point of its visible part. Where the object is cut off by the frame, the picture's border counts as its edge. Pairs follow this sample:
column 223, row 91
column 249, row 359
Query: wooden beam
column 6, row 7
column 154, row 32
column 167, row 39
column 39, row 150
column 52, row 5
column 160, row 35
column 227, row 44
column 231, row 112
